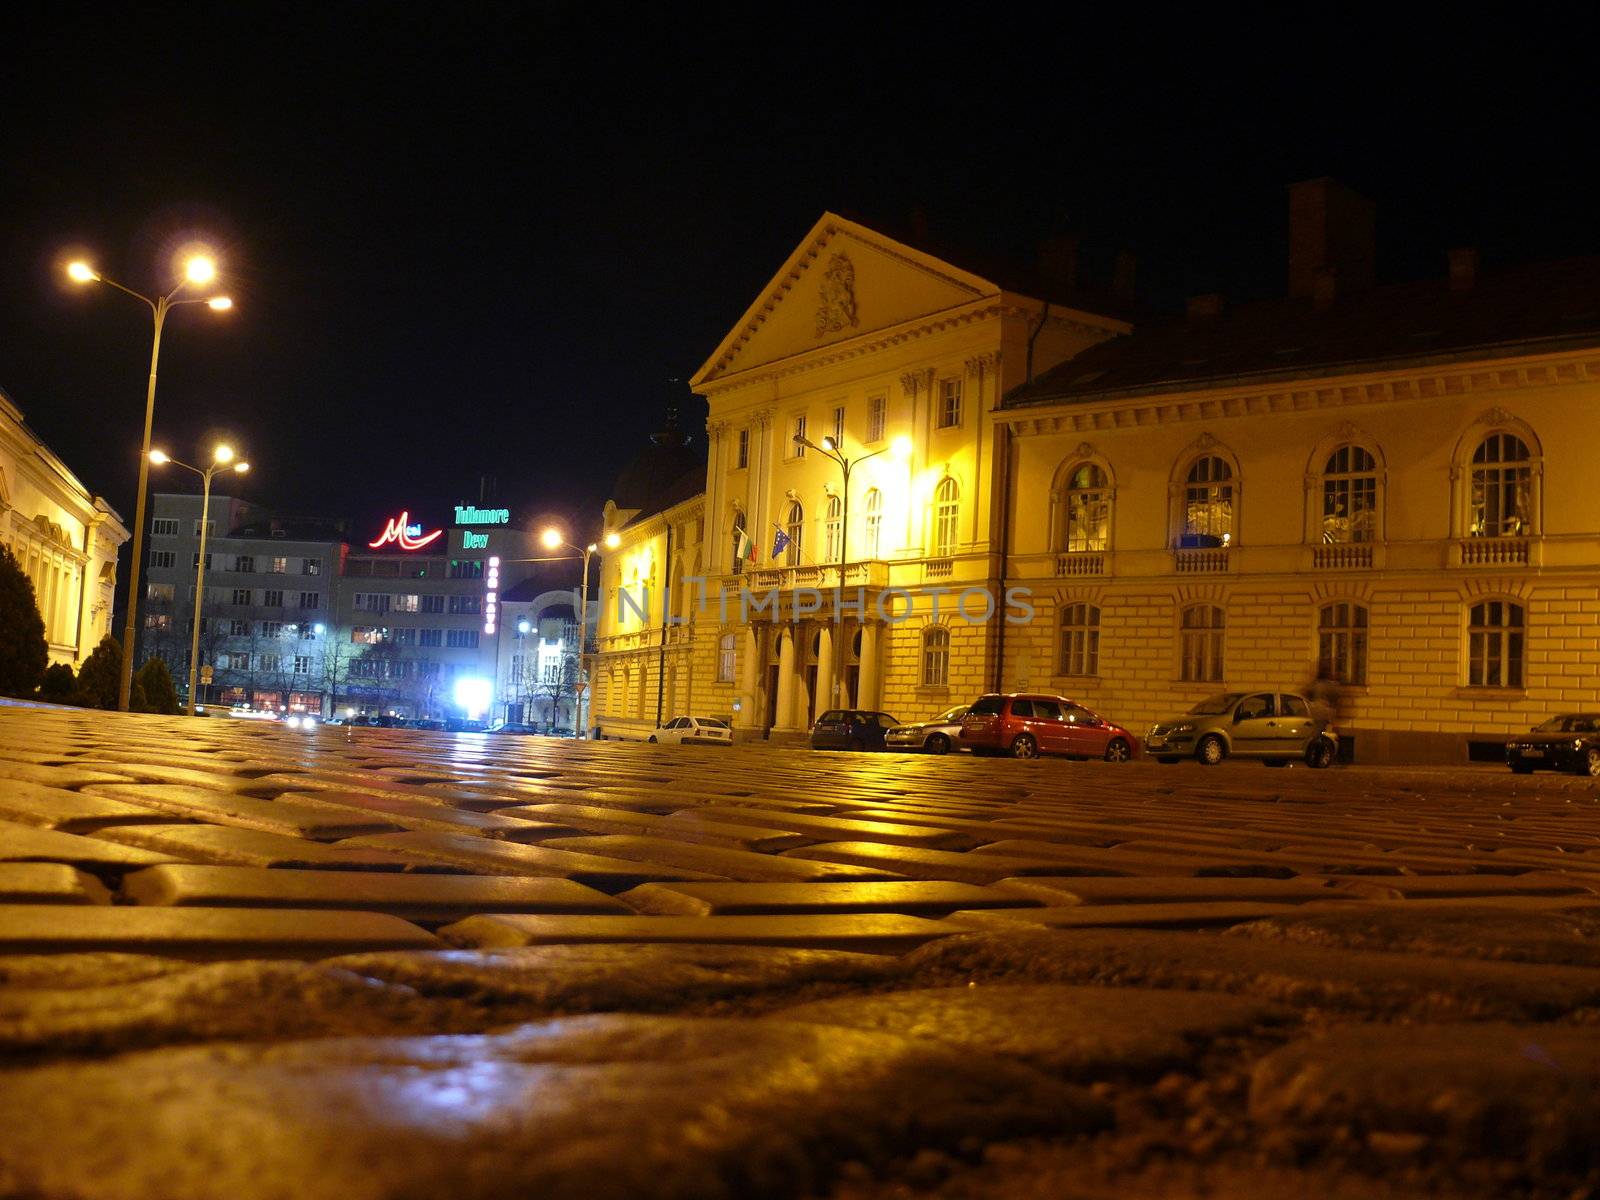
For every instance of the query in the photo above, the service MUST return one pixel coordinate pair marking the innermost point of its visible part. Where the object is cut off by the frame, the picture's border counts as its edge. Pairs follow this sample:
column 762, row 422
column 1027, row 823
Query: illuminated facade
column 64, row 537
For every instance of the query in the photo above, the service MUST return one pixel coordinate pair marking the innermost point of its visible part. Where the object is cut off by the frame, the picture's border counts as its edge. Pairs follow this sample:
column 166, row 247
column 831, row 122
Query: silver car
column 1277, row 727
column 938, row 735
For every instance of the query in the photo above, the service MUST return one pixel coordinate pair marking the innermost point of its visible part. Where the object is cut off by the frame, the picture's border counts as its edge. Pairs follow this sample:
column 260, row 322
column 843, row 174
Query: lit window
column 1080, row 640
column 874, row 522
column 935, row 656
column 795, row 527
column 1501, row 477
column 1208, row 502
column 949, row 403
column 877, row 415
column 280, row 565
column 946, row 517
column 1342, row 643
column 838, row 427
column 798, row 431
column 743, row 458
column 1496, row 637
column 1088, row 510
column 1350, row 496
column 726, row 654
column 1201, row 631
column 832, row 530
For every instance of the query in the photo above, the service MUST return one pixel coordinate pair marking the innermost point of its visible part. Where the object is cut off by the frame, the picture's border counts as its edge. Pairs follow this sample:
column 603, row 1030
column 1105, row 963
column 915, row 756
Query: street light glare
column 223, row 453
column 81, row 272
column 829, row 444
column 241, row 468
column 551, row 539
column 159, row 457
column 901, row 447
column 202, row 268
column 220, row 303
column 613, row 540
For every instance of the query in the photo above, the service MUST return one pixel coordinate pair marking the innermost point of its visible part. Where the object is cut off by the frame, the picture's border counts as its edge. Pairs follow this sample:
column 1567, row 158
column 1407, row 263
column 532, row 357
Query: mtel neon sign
column 472, row 515
column 404, row 534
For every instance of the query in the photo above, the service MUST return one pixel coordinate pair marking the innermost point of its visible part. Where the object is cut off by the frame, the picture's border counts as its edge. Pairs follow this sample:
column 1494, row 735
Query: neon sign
column 474, row 541
column 491, row 595
column 404, row 534
column 471, row 514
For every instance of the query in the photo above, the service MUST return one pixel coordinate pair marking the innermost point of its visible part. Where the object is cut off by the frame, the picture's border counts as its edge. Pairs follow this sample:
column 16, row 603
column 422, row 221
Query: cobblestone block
column 834, row 828
column 510, row 858
column 267, row 816
column 49, row 883
column 721, row 861
column 1171, row 889
column 229, row 845
column 915, row 863
column 67, row 811
column 21, row 843
column 861, row 933
column 609, row 820
column 917, row 898
column 1193, row 915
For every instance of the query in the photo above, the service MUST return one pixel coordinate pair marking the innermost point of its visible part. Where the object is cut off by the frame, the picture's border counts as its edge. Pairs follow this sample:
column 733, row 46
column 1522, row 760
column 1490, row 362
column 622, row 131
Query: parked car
column 514, row 727
column 1568, row 742
column 1026, row 725
column 851, row 729
column 426, row 723
column 464, row 725
column 937, row 735
column 1278, row 727
column 698, row 731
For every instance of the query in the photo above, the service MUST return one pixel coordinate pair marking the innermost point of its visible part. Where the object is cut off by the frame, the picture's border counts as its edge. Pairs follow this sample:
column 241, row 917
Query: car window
column 952, row 714
column 886, row 721
column 832, row 717
column 1214, row 706
column 987, row 706
column 1022, row 708
column 1047, row 710
column 1080, row 715
column 1253, row 708
column 712, row 722
column 1294, row 706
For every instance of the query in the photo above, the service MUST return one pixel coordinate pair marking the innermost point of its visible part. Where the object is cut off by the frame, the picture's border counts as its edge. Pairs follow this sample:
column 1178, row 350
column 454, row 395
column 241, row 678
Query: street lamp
column 831, row 448
column 222, row 459
column 553, row 540
column 199, row 269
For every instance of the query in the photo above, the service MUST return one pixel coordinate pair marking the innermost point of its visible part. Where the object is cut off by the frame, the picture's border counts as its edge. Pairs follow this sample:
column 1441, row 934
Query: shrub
column 99, row 675
column 23, row 655
column 160, row 696
column 59, row 684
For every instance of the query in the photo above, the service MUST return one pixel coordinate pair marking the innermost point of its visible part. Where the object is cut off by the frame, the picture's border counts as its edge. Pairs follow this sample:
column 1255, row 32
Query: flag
column 743, row 547
column 779, row 542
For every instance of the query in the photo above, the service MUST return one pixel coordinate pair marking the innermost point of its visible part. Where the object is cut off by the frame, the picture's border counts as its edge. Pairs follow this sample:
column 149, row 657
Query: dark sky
column 475, row 239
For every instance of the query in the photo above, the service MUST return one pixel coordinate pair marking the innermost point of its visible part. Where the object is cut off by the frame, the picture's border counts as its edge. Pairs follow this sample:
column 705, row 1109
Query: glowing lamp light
column 472, row 695
column 900, row 447
column 220, row 303
column 223, row 453
column 613, row 540
column 81, row 272
column 241, row 468
column 551, row 539
column 829, row 444
column 523, row 626
column 159, row 457
column 202, row 268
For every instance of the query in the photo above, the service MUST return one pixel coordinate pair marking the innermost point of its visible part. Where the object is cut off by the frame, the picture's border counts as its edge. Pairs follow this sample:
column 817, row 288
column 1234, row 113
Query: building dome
column 663, row 474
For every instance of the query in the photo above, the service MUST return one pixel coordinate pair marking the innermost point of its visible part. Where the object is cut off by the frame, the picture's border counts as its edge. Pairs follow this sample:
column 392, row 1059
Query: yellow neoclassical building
column 1390, row 485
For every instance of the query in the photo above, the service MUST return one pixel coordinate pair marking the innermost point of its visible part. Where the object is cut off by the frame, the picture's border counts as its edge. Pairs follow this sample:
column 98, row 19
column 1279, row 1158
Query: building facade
column 64, row 537
column 1379, row 484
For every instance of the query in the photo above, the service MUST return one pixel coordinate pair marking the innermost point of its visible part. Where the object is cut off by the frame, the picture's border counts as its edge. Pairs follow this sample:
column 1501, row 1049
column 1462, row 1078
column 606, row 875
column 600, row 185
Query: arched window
column 1500, row 501
column 1496, row 641
column 1342, row 643
column 874, row 507
column 1350, row 496
column 1088, row 510
column 832, row 531
column 795, row 528
column 741, row 542
column 1208, row 502
column 1201, row 630
column 1080, row 639
column 946, row 517
column 935, row 656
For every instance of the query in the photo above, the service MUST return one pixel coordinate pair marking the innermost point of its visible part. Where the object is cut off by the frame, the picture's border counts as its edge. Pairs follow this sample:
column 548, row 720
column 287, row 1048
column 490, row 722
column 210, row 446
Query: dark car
column 1568, row 742
column 851, row 729
column 517, row 727
column 1025, row 725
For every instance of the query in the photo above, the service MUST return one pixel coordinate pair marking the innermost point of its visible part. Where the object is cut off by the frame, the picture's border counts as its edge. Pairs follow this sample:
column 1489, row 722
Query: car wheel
column 1118, row 750
column 1168, row 759
column 1521, row 769
column 937, row 744
column 1591, row 762
column 1024, row 747
column 1211, row 750
column 1319, row 755
column 651, row 738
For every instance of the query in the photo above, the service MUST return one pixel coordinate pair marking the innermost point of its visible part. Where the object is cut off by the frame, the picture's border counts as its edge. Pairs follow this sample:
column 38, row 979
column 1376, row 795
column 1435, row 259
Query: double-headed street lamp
column 200, row 269
column 222, row 459
column 553, row 540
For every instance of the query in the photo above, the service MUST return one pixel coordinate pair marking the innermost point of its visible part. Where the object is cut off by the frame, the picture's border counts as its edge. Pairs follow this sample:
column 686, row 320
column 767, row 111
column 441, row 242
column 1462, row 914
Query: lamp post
column 200, row 269
column 222, row 459
column 553, row 540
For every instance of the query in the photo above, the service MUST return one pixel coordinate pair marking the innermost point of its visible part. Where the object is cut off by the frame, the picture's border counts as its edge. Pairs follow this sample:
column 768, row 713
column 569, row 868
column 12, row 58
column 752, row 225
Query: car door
column 1295, row 724
column 1086, row 733
column 1255, row 724
column 1050, row 728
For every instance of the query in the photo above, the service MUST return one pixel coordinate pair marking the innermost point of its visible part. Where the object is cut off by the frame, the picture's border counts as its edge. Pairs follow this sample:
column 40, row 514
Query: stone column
column 825, row 690
column 750, row 711
column 871, row 665
column 786, row 680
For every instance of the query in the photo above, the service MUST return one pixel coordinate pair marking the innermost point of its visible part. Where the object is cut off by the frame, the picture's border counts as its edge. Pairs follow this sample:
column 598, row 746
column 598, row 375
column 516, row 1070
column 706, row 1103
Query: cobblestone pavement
column 241, row 961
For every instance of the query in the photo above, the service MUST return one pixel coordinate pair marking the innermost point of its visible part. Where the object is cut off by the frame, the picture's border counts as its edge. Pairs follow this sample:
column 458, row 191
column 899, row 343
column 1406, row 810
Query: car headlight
column 1577, row 743
column 1182, row 727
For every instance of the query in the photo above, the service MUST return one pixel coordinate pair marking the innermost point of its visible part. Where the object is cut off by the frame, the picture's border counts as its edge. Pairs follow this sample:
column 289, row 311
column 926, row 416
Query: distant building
column 64, row 537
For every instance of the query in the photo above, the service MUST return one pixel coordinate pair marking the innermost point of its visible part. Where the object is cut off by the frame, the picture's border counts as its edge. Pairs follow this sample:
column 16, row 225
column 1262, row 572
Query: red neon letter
column 395, row 531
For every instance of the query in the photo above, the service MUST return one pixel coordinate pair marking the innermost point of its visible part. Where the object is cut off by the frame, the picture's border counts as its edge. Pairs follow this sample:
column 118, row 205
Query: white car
column 700, row 731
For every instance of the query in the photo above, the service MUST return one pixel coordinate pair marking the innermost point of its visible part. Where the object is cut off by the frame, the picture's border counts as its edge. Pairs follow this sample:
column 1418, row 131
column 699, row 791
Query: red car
column 1025, row 725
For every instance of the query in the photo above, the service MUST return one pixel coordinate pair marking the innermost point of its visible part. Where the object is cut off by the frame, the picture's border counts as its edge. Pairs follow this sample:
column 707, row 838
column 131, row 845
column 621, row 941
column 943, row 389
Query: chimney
column 1463, row 268
column 1123, row 268
column 1330, row 230
column 1205, row 308
column 1058, row 259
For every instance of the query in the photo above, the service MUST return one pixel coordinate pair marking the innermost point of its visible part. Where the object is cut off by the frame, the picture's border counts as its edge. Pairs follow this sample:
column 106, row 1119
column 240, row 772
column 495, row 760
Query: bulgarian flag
column 743, row 548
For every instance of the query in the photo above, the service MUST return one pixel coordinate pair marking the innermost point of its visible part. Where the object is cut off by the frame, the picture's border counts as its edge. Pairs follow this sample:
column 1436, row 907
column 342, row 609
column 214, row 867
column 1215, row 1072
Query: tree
column 100, row 674
column 23, row 653
column 59, row 684
column 160, row 696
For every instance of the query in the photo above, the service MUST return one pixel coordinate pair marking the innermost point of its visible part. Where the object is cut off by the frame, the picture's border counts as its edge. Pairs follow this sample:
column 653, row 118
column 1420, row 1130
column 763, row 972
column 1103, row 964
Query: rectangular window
column 877, row 417
column 164, row 527
column 245, row 564
column 366, row 635
column 236, row 661
column 742, row 459
column 196, row 561
column 405, row 637
column 838, row 427
column 405, row 602
column 1200, row 643
column 157, row 621
column 272, row 629
column 272, row 598
column 466, row 606
column 462, row 639
column 302, row 664
column 269, row 662
column 280, row 565
column 241, row 595
column 311, row 566
column 466, row 568
column 949, row 403
column 797, row 431
column 160, row 592
column 211, row 528
column 163, row 558
column 310, row 599
column 429, row 637
column 726, row 653
column 238, row 627
column 433, row 604
column 377, row 602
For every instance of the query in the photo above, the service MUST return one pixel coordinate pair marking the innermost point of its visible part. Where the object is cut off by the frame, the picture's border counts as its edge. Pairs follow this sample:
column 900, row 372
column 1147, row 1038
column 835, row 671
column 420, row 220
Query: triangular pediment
column 844, row 280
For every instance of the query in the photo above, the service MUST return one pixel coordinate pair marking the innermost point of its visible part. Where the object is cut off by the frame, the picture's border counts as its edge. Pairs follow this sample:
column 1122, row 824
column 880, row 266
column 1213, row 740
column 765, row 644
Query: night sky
column 470, row 240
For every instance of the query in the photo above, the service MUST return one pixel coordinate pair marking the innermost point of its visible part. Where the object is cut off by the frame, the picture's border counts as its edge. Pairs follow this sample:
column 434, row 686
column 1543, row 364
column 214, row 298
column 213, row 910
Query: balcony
column 938, row 568
column 1209, row 560
column 1492, row 552
column 1342, row 556
column 1074, row 563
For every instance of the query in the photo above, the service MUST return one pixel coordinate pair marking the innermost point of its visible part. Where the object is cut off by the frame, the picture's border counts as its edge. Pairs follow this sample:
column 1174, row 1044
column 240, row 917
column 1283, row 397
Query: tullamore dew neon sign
column 404, row 534
column 471, row 514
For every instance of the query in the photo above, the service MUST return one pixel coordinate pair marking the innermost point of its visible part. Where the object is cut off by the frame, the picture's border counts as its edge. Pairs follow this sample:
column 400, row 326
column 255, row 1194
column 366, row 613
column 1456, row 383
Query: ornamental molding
column 1496, row 416
column 1511, row 587
column 1342, row 591
column 1079, row 595
column 1201, row 593
column 836, row 294
column 1183, row 407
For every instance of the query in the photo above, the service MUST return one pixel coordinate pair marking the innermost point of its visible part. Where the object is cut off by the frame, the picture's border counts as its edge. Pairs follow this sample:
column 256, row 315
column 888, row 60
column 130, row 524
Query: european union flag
column 778, row 543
